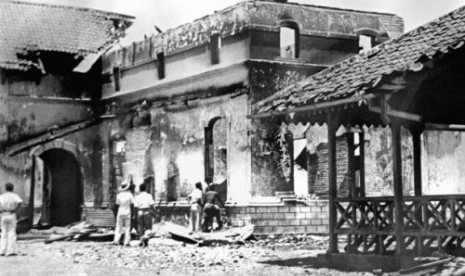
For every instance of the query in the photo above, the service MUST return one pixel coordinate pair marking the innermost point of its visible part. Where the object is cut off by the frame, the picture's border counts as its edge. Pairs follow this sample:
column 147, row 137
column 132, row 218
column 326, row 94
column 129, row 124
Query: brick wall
column 318, row 169
column 312, row 219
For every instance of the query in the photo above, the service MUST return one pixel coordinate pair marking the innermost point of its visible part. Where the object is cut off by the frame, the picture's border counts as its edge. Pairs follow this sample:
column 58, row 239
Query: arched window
column 289, row 39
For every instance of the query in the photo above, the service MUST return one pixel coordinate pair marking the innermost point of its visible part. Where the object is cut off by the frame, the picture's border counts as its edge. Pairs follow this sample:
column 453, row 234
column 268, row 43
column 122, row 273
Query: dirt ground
column 293, row 256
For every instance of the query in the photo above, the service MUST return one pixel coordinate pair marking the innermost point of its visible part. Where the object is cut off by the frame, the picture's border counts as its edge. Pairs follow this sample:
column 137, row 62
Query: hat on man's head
column 124, row 186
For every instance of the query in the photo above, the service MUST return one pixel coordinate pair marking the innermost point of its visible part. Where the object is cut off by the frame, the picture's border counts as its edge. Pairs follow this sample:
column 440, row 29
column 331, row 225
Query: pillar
column 416, row 138
column 361, row 142
column 351, row 165
column 332, row 179
column 397, row 173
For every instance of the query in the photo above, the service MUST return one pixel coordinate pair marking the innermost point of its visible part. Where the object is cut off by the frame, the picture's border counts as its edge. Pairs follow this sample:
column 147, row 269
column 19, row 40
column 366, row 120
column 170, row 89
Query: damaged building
column 399, row 109
column 52, row 145
column 177, row 105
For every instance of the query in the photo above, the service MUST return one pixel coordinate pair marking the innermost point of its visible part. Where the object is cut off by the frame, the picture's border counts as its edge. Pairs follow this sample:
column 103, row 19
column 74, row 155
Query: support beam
column 332, row 124
column 397, row 173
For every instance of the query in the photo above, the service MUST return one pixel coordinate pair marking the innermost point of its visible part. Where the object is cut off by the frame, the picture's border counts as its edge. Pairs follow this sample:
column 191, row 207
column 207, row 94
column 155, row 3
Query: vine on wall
column 285, row 158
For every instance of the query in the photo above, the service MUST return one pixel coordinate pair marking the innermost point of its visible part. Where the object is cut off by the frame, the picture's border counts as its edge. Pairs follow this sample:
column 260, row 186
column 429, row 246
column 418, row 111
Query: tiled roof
column 352, row 78
column 54, row 28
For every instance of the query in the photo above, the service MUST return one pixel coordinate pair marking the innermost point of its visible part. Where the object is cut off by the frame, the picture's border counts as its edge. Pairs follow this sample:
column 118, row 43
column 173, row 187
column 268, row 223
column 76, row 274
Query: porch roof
column 353, row 79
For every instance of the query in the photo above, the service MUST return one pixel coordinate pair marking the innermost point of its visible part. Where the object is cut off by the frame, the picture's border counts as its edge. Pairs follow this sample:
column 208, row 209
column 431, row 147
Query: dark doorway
column 216, row 155
column 62, row 196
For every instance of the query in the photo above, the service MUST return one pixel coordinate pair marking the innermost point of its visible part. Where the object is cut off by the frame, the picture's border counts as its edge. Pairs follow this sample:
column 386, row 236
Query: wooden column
column 416, row 137
column 361, row 142
column 351, row 165
column 332, row 179
column 397, row 173
column 32, row 190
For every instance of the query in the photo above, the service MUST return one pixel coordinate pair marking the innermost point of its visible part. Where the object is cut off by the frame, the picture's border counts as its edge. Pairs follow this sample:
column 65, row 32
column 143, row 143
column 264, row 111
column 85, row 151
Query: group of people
column 204, row 206
column 204, row 209
column 143, row 205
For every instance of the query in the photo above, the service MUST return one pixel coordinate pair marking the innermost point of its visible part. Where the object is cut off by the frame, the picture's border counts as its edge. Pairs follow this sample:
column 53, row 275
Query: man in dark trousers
column 211, row 209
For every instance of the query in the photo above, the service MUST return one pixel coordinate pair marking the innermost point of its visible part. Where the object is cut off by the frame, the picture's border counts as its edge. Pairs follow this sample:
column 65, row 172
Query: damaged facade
column 180, row 100
column 52, row 146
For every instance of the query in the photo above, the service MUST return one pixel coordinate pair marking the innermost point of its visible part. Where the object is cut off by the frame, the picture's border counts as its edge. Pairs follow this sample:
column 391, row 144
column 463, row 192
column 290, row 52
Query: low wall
column 311, row 218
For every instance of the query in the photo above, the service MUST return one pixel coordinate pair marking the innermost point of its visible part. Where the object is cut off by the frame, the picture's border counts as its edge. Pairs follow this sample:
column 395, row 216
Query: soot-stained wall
column 270, row 161
column 173, row 146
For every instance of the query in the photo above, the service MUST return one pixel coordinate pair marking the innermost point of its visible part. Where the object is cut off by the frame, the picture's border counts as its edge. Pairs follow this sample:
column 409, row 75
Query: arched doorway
column 216, row 166
column 62, row 189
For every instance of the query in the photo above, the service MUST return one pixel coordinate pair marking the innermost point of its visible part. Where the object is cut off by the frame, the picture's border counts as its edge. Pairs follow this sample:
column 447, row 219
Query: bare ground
column 269, row 257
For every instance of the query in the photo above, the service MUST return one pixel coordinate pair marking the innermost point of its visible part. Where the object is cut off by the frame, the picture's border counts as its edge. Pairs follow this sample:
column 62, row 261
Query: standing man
column 9, row 204
column 211, row 209
column 124, row 200
column 144, row 204
column 196, row 202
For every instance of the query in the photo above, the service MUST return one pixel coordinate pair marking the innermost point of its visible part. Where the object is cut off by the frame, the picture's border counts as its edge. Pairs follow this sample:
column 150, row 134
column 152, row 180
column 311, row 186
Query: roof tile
column 54, row 28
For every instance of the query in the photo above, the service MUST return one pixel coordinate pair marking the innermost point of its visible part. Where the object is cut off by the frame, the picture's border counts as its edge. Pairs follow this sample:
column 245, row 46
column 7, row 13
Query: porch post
column 361, row 143
column 32, row 190
column 397, row 173
column 351, row 165
column 416, row 137
column 332, row 179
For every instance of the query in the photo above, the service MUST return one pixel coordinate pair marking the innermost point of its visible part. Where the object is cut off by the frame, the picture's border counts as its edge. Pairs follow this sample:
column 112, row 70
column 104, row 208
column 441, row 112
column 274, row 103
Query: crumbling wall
column 270, row 172
column 173, row 146
column 30, row 101
column 442, row 162
column 378, row 162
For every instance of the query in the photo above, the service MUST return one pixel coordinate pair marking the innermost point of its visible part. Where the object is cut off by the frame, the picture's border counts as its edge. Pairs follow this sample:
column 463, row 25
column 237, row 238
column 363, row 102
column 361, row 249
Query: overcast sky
column 171, row 13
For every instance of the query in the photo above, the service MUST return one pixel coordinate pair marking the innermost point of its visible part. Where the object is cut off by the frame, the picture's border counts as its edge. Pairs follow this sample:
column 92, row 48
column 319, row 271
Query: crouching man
column 9, row 204
column 211, row 209
column 124, row 200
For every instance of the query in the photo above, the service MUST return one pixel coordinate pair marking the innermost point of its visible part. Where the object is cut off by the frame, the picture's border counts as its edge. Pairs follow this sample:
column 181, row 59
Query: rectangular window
column 288, row 42
column 215, row 48
column 161, row 65
column 116, row 78
column 365, row 43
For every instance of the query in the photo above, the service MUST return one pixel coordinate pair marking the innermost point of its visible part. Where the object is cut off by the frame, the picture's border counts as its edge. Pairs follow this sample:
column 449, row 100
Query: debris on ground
column 81, row 231
column 181, row 233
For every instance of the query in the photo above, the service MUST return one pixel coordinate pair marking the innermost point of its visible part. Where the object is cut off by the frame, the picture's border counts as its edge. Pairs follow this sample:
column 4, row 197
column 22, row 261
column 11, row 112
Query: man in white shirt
column 124, row 200
column 196, row 201
column 144, row 203
column 9, row 203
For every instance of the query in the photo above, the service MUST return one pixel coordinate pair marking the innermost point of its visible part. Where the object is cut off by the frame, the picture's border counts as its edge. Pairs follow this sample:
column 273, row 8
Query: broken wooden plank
column 59, row 238
column 424, row 267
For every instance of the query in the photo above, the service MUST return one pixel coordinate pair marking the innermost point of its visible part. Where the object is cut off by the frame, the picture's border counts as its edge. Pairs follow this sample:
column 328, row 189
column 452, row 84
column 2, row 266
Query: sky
column 171, row 13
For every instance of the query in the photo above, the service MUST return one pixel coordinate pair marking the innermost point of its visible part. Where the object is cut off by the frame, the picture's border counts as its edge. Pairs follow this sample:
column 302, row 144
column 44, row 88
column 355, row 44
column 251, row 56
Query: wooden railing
column 429, row 223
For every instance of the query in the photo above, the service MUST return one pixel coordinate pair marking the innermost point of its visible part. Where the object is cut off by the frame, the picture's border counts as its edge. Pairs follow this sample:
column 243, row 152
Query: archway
column 62, row 188
column 216, row 154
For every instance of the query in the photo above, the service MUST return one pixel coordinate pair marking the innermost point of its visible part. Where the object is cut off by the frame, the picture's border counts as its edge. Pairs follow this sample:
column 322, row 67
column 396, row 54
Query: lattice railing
column 429, row 223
